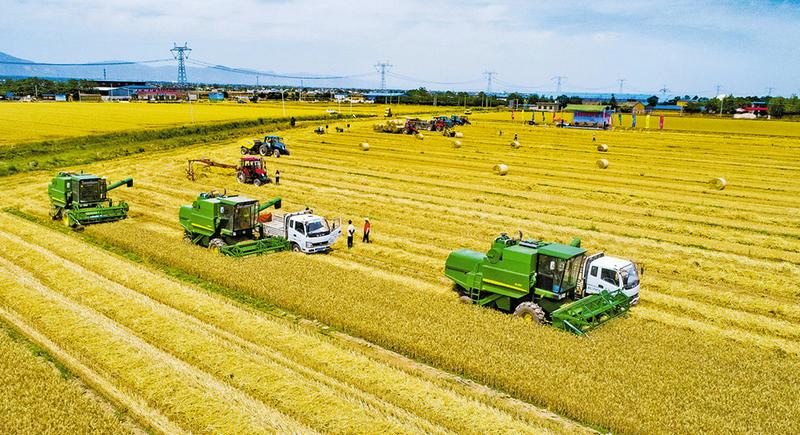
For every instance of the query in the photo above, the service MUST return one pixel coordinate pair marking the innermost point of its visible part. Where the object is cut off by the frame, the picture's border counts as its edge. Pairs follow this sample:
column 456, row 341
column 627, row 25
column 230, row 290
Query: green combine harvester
column 229, row 224
column 80, row 199
column 546, row 282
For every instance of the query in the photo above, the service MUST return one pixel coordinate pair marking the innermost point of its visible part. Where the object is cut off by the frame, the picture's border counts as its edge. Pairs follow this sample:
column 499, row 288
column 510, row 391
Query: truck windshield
column 245, row 217
column 315, row 227
column 630, row 276
column 91, row 191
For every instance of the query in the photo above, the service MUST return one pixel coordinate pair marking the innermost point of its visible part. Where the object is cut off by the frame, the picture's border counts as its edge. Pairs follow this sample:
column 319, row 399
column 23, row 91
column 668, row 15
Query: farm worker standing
column 292, row 121
column 543, row 120
column 367, row 227
column 350, row 231
column 633, row 121
column 647, row 121
column 661, row 122
column 277, row 177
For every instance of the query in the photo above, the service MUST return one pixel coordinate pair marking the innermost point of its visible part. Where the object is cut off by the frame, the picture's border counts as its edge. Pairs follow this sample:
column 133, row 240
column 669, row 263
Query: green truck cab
column 229, row 224
column 542, row 282
column 80, row 199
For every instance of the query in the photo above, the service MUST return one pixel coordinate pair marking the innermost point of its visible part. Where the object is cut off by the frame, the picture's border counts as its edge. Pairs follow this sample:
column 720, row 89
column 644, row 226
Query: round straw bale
column 364, row 146
column 515, row 144
column 459, row 134
column 602, row 148
column 718, row 183
column 419, row 136
column 602, row 163
column 500, row 169
column 456, row 144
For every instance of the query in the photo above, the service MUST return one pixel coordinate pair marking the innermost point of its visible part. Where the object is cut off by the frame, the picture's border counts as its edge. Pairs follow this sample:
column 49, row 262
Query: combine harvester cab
column 542, row 282
column 229, row 225
column 80, row 199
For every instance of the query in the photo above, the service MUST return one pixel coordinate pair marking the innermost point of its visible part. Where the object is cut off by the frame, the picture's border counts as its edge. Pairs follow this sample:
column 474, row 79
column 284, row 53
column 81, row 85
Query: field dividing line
column 146, row 415
column 268, row 417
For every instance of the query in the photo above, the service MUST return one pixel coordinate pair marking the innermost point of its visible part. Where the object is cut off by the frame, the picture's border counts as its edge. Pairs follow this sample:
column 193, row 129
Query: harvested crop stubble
column 190, row 399
column 37, row 399
column 308, row 355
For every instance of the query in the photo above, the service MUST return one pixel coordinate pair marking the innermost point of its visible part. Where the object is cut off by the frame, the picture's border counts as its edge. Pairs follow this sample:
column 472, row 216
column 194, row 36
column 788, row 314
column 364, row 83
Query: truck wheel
column 530, row 311
column 216, row 244
column 296, row 247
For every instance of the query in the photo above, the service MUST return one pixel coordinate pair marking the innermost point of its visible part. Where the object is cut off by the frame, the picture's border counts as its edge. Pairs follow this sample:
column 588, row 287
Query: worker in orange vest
column 367, row 227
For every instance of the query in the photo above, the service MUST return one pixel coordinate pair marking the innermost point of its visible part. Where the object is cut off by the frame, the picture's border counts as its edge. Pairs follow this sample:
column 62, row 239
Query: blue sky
column 688, row 45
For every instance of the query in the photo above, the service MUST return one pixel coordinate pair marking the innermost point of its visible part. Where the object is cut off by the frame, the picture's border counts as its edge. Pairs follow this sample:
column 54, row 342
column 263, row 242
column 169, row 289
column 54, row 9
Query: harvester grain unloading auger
column 80, row 199
column 546, row 282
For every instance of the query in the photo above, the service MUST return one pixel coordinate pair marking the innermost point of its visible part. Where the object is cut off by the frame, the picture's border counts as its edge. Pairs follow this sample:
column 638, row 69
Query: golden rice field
column 27, row 122
column 376, row 341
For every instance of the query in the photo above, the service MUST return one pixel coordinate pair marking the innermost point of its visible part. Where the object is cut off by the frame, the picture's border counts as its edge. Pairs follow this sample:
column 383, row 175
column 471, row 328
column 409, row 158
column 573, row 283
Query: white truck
column 305, row 231
column 612, row 274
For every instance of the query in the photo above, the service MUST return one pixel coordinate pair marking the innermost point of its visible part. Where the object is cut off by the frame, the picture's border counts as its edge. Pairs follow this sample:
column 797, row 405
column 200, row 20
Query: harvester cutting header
column 546, row 282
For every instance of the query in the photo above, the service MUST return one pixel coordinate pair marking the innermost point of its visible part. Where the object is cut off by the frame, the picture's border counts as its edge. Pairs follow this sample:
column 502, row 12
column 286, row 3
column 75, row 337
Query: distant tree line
column 35, row 86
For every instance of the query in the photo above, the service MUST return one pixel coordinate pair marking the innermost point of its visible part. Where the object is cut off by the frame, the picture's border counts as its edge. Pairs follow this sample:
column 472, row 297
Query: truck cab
column 604, row 273
column 305, row 231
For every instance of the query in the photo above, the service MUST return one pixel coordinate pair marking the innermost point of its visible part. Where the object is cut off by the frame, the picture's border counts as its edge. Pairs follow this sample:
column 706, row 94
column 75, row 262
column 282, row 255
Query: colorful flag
column 512, row 114
column 647, row 121
column 661, row 122
column 619, row 118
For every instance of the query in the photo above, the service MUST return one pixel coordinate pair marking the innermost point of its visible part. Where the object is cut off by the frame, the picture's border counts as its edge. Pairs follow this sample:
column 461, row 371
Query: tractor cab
column 276, row 145
column 251, row 170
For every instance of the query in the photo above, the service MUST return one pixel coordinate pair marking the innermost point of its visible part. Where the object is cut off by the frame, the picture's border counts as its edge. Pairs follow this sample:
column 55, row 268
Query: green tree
column 652, row 101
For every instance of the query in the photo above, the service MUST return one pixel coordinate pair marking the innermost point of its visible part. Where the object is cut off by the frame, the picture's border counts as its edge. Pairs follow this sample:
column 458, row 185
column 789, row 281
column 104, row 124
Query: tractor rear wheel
column 530, row 311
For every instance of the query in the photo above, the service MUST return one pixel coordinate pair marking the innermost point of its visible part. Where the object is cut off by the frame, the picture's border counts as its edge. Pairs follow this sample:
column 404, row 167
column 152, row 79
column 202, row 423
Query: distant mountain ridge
column 158, row 73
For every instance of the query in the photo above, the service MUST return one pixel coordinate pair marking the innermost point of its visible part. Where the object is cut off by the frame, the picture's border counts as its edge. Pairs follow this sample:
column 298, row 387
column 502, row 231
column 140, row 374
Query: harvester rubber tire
column 530, row 311
column 277, row 154
column 216, row 244
column 187, row 237
column 466, row 300
column 55, row 213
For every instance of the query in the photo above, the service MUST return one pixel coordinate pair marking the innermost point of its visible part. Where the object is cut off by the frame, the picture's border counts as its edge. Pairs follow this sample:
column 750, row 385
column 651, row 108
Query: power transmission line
column 270, row 74
column 181, row 53
column 489, row 75
column 558, row 83
column 122, row 62
column 382, row 67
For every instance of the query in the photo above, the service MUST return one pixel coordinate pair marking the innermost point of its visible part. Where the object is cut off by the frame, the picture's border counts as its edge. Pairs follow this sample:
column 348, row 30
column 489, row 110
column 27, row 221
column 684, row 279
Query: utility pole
column 720, row 97
column 181, row 53
column 382, row 67
column 104, row 74
column 558, row 83
column 621, row 82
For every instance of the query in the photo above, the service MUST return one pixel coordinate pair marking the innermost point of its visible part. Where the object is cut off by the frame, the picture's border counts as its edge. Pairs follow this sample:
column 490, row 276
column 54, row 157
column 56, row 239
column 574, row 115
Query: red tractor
column 251, row 170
